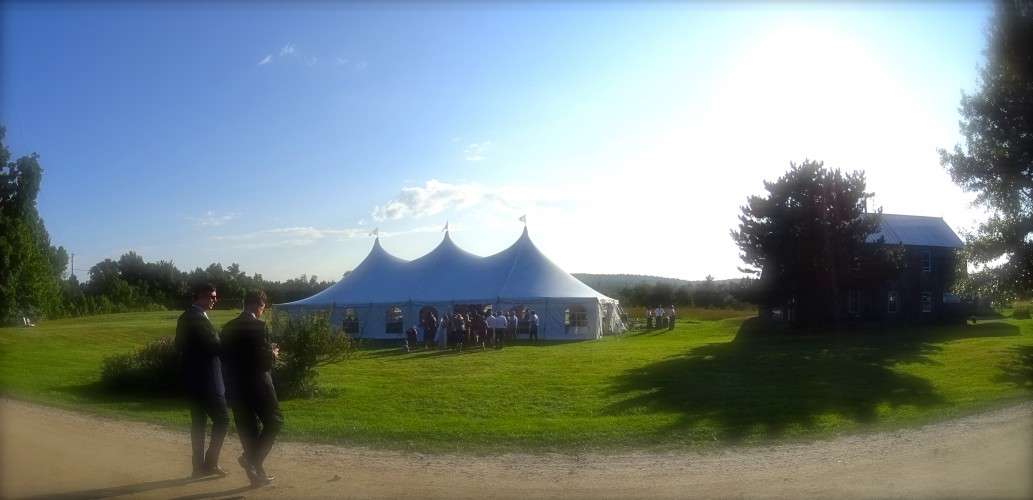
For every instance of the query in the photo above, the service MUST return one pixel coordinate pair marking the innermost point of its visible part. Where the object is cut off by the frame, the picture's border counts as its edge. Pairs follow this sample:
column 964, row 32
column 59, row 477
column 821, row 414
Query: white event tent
column 384, row 295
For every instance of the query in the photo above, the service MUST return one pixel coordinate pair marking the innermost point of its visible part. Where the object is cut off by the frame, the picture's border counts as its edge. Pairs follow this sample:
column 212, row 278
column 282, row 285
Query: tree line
column 132, row 284
column 32, row 271
column 709, row 293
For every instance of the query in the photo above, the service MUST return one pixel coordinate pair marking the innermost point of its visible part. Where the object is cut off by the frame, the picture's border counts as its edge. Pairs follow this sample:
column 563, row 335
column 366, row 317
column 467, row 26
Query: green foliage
column 804, row 238
column 705, row 294
column 306, row 342
column 1022, row 311
column 997, row 159
column 30, row 268
column 152, row 369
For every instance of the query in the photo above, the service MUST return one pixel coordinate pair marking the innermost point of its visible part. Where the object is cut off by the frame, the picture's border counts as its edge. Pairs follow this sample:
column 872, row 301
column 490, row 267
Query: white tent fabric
column 517, row 276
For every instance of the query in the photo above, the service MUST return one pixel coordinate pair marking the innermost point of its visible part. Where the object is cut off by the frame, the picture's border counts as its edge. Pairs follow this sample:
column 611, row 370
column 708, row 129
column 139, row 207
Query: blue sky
column 279, row 135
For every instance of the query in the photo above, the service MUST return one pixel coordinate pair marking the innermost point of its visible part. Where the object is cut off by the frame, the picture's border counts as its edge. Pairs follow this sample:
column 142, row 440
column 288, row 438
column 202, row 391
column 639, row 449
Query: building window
column 893, row 302
column 575, row 315
column 853, row 302
column 393, row 320
column 927, row 302
column 350, row 324
column 926, row 257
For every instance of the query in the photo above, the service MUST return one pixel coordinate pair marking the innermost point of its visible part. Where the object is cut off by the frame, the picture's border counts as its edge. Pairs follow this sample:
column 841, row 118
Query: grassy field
column 710, row 381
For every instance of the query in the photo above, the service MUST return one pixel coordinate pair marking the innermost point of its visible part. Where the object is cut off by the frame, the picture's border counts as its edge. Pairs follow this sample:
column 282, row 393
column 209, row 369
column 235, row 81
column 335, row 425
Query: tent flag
column 523, row 218
column 445, row 229
column 375, row 232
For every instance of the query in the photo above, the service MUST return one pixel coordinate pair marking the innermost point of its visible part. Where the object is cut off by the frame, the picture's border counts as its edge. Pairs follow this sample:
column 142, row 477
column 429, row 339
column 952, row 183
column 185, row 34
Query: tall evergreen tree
column 996, row 161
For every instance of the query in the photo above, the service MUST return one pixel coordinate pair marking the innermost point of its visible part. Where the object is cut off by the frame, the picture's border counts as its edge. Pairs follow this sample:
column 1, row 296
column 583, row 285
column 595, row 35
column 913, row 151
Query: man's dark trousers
column 248, row 414
column 202, row 408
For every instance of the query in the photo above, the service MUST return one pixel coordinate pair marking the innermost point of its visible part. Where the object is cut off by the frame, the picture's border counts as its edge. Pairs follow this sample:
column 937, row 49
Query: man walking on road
column 248, row 358
column 198, row 345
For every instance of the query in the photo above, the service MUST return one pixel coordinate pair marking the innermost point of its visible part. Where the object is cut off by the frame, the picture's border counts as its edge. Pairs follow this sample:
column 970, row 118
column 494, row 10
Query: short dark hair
column 255, row 298
column 203, row 290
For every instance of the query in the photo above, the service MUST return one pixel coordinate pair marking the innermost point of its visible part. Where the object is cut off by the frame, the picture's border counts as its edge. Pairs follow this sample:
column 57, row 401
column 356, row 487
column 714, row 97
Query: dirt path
column 52, row 453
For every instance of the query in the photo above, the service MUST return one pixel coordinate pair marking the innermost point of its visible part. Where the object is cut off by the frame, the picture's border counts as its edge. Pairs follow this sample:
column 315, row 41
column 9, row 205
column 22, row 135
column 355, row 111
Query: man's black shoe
column 215, row 470
column 261, row 479
column 208, row 471
column 247, row 468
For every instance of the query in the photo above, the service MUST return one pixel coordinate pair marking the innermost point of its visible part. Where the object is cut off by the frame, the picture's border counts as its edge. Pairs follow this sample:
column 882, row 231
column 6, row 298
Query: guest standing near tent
column 430, row 327
column 198, row 346
column 442, row 335
column 249, row 358
column 501, row 327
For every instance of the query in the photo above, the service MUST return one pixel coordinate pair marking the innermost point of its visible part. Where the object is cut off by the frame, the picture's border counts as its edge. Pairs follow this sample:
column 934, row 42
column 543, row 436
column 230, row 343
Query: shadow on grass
column 1020, row 370
column 126, row 489
column 649, row 332
column 762, row 384
column 401, row 354
column 96, row 393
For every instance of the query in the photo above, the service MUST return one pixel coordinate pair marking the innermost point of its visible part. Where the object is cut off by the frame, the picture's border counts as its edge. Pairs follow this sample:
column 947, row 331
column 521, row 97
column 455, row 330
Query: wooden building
column 919, row 291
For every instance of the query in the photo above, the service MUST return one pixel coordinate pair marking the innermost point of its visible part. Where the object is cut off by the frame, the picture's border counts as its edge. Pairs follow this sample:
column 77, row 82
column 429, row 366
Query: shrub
column 306, row 341
column 1021, row 311
column 153, row 369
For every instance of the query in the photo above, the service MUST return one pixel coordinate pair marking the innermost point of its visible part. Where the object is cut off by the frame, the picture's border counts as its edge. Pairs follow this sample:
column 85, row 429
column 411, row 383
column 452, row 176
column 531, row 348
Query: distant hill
column 617, row 281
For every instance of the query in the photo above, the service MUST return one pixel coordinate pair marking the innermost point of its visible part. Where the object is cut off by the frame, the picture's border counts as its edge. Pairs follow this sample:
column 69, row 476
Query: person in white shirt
column 501, row 326
column 670, row 318
column 490, row 321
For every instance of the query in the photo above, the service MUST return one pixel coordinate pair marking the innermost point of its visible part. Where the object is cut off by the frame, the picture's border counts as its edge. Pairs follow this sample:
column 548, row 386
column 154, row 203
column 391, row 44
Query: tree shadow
column 126, row 489
column 1019, row 371
column 763, row 384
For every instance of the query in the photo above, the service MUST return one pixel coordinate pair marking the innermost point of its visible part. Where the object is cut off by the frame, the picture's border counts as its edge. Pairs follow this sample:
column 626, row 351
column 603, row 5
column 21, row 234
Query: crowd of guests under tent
column 472, row 327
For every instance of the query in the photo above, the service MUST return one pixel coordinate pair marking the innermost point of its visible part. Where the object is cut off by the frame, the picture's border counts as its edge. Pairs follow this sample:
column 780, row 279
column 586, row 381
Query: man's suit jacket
column 248, row 361
column 198, row 345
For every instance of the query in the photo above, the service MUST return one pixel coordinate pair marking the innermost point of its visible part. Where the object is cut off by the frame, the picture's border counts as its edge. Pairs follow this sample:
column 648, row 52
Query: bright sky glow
column 278, row 136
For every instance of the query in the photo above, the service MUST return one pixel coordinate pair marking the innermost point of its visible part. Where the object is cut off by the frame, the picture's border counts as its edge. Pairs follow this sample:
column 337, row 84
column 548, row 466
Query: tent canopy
column 451, row 274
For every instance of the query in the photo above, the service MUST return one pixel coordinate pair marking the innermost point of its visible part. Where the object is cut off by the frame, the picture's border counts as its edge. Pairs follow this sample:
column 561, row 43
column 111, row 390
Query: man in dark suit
column 247, row 361
column 198, row 345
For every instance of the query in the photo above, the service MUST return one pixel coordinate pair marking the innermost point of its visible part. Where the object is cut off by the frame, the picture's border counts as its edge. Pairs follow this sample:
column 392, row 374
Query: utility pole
column 71, row 269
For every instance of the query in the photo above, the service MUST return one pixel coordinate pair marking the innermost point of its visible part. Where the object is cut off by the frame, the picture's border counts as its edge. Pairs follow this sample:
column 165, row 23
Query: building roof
column 450, row 274
column 916, row 230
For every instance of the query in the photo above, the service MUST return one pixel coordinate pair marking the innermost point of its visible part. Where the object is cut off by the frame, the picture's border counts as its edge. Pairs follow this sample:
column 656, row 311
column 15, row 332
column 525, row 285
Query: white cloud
column 300, row 236
column 287, row 50
column 435, row 197
column 476, row 151
column 268, row 59
column 211, row 219
column 350, row 64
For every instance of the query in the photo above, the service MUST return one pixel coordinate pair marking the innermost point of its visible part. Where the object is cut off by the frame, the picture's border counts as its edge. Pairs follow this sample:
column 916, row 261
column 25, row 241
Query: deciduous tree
column 996, row 161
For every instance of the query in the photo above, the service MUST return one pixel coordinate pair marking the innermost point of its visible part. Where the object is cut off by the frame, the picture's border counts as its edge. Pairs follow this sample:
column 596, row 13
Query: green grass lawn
column 710, row 381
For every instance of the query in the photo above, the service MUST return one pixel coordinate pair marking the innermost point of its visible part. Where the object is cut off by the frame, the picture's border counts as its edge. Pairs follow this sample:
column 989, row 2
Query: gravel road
column 52, row 453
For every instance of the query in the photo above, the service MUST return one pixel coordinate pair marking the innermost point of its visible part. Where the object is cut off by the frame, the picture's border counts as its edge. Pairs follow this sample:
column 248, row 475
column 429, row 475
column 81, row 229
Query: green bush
column 153, row 369
column 1021, row 311
column 306, row 341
